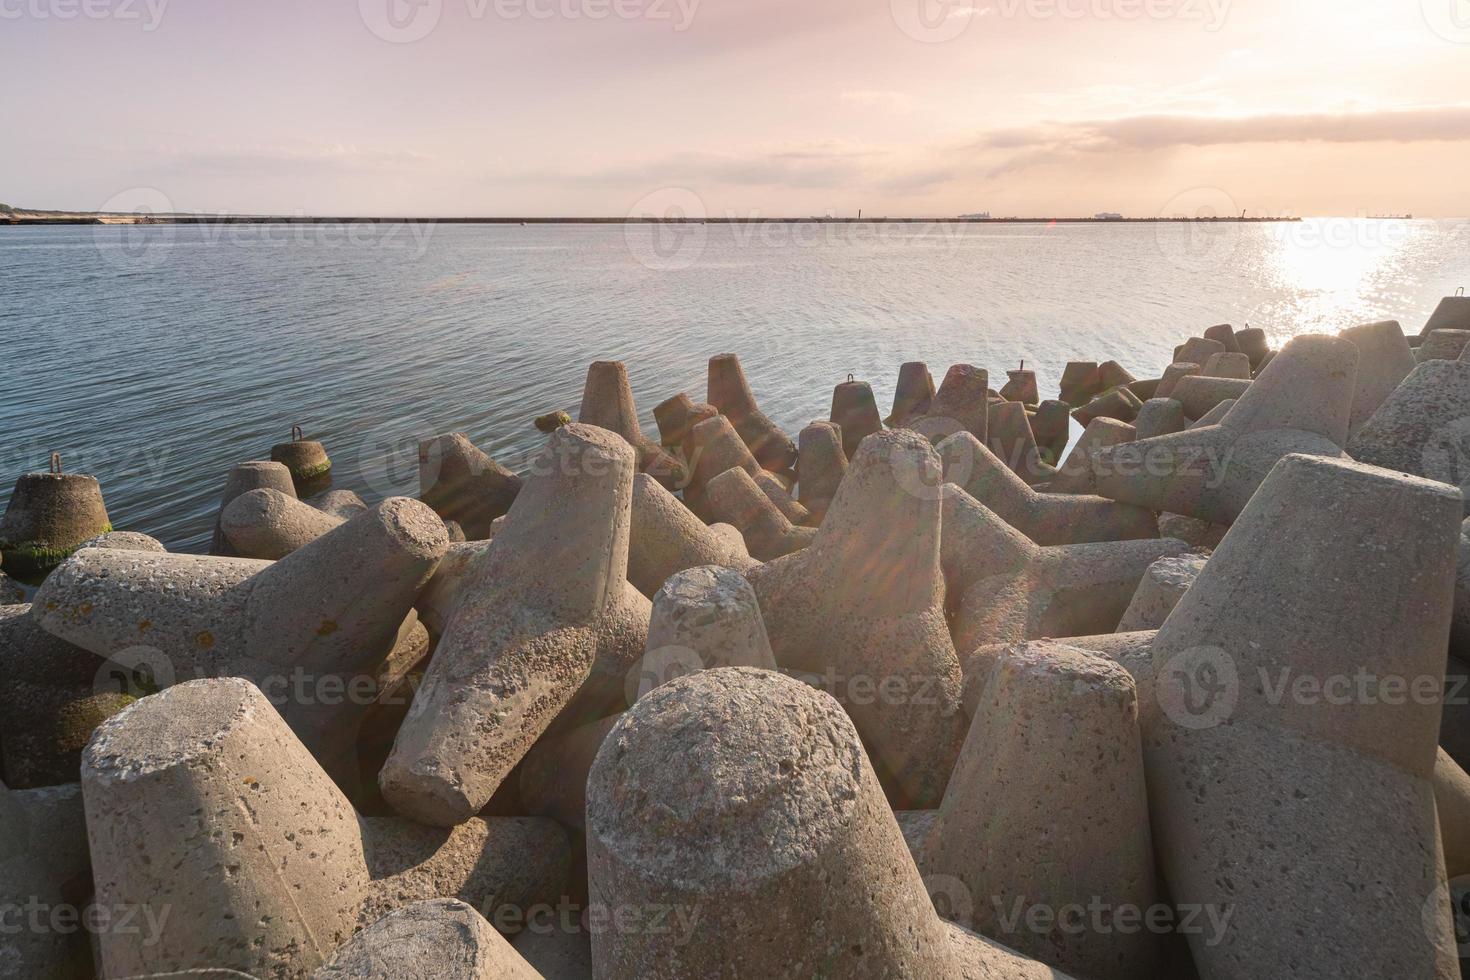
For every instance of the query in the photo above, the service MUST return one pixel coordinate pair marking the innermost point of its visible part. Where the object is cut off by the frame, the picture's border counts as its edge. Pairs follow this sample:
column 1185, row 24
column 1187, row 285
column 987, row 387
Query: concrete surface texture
column 1355, row 773
column 741, row 800
column 730, row 393
column 1003, row 587
column 1301, row 403
column 1054, row 748
column 1045, row 518
column 864, row 604
column 547, row 613
column 464, row 484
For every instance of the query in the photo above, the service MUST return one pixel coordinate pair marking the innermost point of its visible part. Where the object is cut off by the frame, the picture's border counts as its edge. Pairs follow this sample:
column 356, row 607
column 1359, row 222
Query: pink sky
column 743, row 107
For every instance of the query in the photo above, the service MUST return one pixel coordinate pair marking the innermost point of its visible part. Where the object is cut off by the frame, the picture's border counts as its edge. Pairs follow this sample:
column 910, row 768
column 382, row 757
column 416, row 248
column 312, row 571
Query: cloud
column 1018, row 148
column 1152, row 132
column 299, row 159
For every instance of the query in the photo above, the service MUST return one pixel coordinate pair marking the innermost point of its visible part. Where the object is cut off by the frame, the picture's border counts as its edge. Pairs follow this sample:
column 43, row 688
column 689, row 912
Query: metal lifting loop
column 1460, row 291
column 56, row 464
column 297, row 433
column 851, row 378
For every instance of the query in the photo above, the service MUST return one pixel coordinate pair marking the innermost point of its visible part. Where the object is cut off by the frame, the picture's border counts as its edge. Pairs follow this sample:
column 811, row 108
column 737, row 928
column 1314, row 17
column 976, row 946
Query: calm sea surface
column 156, row 357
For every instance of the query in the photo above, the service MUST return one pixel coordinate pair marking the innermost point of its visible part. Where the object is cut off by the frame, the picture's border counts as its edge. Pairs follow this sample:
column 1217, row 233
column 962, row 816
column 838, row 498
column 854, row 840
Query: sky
column 737, row 108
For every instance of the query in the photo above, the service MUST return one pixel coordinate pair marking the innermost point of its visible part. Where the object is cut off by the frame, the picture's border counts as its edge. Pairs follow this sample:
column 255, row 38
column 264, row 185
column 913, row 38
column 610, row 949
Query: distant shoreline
column 42, row 218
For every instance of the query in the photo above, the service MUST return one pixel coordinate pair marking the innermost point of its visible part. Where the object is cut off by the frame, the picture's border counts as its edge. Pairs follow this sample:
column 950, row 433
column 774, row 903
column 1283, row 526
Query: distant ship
column 977, row 216
column 1107, row 216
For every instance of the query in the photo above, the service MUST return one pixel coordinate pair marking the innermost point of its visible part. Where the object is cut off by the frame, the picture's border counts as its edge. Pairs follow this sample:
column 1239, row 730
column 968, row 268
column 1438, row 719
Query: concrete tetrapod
column 864, row 605
column 54, row 694
column 717, row 447
column 1021, row 387
column 1159, row 591
column 1339, row 793
column 1384, row 360
column 438, row 939
column 729, row 392
column 854, row 413
column 1075, row 474
column 1300, row 404
column 1423, row 426
column 1227, row 365
column 268, row 525
column 1051, row 426
column 1004, row 588
column 961, row 405
column 48, row 516
column 666, row 538
column 552, row 778
column 1224, row 334
column 1452, row 805
column 1452, row 313
column 776, row 492
column 545, row 613
column 1197, row 350
column 676, row 418
column 1173, row 374
column 1160, row 417
column 739, row 801
column 206, row 814
column 1443, row 345
column 1253, row 344
column 704, row 618
column 1116, row 403
column 45, row 869
column 1213, row 416
column 735, row 498
column 607, row 402
column 1053, row 759
column 1080, row 381
column 1046, row 518
column 1111, row 374
column 822, row 464
column 912, row 396
column 1010, row 438
column 244, row 477
column 464, row 484
column 1199, row 393
column 329, row 613
column 306, row 459
column 345, row 504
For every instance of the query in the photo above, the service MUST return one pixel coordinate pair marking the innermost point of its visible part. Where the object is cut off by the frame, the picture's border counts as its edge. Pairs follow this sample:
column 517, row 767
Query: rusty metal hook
column 851, row 378
column 297, row 433
column 56, row 464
